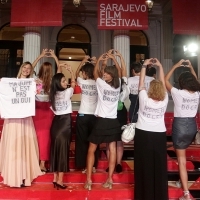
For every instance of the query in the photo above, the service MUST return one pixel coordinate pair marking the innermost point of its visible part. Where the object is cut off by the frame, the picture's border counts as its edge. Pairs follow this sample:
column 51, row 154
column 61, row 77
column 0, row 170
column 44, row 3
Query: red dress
column 42, row 121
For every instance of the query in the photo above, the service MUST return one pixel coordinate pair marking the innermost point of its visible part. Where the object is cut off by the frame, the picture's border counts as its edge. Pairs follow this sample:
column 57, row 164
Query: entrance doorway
column 73, row 43
column 138, row 47
column 11, row 50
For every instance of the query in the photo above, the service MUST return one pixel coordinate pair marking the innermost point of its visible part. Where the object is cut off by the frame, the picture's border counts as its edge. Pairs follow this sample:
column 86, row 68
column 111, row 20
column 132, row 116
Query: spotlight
column 190, row 50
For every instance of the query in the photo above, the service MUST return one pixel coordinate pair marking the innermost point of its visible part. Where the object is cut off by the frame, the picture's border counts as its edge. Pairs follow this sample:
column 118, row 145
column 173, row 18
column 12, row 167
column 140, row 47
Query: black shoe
column 54, row 184
column 22, row 185
column 118, row 168
column 107, row 169
column 60, row 186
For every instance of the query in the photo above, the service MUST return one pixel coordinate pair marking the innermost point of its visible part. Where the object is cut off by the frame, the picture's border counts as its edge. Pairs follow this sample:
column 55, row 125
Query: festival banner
column 17, row 97
column 36, row 13
column 123, row 15
column 186, row 17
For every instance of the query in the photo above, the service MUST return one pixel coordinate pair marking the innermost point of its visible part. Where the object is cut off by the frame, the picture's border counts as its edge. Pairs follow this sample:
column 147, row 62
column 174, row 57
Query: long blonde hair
column 45, row 74
column 156, row 90
column 20, row 70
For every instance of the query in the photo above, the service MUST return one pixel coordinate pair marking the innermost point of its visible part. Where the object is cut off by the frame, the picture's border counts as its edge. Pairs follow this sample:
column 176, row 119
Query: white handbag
column 129, row 129
column 128, row 132
column 197, row 138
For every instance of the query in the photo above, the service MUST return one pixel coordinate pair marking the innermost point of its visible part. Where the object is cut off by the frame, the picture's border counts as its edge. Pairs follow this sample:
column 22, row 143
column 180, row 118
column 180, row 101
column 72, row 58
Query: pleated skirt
column 105, row 130
column 60, row 143
column 19, row 157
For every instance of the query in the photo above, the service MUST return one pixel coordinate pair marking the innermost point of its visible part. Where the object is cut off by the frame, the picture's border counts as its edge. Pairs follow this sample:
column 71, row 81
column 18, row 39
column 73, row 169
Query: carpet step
column 128, row 165
column 98, row 177
column 45, row 191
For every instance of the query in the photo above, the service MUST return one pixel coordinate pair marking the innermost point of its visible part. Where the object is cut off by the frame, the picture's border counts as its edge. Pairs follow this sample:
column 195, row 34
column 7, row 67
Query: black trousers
column 84, row 126
column 133, row 116
column 150, row 165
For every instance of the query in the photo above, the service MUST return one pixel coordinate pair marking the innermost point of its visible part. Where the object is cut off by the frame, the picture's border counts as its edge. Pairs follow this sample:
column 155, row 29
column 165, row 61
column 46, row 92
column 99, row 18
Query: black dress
column 60, row 143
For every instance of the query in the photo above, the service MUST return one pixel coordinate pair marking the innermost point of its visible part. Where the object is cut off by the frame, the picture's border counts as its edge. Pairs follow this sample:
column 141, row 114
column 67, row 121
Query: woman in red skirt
column 44, row 115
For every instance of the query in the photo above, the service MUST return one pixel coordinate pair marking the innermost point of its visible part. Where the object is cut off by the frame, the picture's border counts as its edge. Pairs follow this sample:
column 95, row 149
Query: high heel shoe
column 88, row 185
column 60, row 186
column 54, row 184
column 107, row 184
column 186, row 196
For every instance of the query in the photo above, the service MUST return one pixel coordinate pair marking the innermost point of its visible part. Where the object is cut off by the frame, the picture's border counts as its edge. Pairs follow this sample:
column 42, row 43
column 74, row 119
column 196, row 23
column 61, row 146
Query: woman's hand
column 148, row 62
column 93, row 59
column 45, row 53
column 51, row 53
column 86, row 58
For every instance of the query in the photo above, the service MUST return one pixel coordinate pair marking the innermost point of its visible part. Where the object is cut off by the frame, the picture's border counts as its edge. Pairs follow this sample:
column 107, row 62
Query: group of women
column 99, row 120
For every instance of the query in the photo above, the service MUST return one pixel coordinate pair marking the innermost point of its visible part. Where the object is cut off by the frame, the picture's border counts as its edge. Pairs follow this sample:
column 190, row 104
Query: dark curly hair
column 188, row 81
column 88, row 68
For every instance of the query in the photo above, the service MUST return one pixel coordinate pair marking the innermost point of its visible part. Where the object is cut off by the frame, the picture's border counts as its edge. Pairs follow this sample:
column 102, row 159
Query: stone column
column 122, row 44
column 32, row 40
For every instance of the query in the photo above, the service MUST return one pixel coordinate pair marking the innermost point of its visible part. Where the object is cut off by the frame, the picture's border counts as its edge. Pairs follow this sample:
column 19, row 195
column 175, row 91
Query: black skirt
column 60, row 143
column 105, row 130
column 183, row 131
column 150, row 165
column 84, row 126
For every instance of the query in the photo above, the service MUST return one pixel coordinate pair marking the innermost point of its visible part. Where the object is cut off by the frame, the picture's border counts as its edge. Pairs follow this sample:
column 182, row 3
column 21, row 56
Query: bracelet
column 144, row 66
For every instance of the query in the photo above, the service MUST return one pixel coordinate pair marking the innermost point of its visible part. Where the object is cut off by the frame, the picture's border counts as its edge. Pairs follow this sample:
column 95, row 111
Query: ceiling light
column 77, row 2
column 149, row 4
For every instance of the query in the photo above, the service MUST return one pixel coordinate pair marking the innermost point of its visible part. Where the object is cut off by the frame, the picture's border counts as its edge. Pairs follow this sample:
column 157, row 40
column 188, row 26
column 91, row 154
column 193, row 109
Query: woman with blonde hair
column 150, row 153
column 184, row 128
column 19, row 156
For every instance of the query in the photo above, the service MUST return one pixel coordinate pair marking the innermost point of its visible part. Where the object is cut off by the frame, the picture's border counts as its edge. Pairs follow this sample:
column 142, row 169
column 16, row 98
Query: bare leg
column 107, row 151
column 120, row 151
column 182, row 169
column 55, row 177
column 60, row 178
column 90, row 160
column 112, row 160
column 42, row 165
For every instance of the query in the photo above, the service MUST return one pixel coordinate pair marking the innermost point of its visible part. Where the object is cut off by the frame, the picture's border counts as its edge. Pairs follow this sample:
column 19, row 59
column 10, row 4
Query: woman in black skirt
column 61, row 125
column 121, row 111
column 85, row 118
column 107, row 128
column 150, row 153
column 186, row 101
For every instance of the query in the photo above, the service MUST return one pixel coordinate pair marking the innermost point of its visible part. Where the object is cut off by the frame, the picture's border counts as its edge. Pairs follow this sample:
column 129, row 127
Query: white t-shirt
column 17, row 97
column 133, row 83
column 63, row 102
column 151, row 113
column 41, row 95
column 107, row 100
column 125, row 90
column 185, row 103
column 88, row 96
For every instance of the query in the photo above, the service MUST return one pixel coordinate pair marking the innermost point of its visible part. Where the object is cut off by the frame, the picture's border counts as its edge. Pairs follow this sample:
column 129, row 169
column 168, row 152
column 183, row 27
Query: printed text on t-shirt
column 21, row 88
